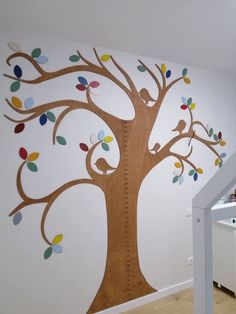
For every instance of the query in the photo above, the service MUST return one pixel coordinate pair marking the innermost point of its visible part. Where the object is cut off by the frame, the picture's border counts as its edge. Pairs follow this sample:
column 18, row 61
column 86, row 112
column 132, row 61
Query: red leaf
column 23, row 153
column 84, row 147
column 219, row 135
column 19, row 128
column 184, row 107
column 94, row 84
column 81, row 87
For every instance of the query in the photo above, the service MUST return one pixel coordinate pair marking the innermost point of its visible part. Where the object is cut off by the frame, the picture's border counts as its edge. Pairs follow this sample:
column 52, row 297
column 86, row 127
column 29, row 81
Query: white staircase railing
column 203, row 214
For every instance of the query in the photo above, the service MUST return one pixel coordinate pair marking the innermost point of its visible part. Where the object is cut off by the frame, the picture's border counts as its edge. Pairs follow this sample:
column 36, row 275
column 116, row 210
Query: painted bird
column 180, row 126
column 144, row 93
column 102, row 165
column 155, row 148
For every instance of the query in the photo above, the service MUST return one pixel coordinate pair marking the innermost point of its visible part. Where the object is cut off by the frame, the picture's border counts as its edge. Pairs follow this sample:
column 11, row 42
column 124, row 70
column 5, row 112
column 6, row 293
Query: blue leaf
column 168, row 73
column 184, row 100
column 18, row 71
column 101, row 135
column 28, row 103
column 43, row 119
column 82, row 80
column 42, row 60
column 195, row 177
column 223, row 155
column 181, row 180
column 57, row 248
column 17, row 218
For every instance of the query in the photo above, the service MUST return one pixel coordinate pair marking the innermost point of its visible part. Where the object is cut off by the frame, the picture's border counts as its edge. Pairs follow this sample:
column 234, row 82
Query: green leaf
column 61, row 140
column 15, row 86
column 36, row 53
column 32, row 166
column 141, row 68
column 51, row 117
column 190, row 101
column 57, row 239
column 175, row 179
column 191, row 172
column 184, row 72
column 105, row 147
column 215, row 137
column 48, row 252
column 211, row 132
column 74, row 58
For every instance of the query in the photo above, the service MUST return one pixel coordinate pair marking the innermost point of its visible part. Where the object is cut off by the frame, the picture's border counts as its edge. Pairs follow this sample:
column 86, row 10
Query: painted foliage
column 123, row 279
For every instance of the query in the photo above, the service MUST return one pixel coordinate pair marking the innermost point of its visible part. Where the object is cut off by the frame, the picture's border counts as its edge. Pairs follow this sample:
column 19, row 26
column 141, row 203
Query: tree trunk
column 123, row 280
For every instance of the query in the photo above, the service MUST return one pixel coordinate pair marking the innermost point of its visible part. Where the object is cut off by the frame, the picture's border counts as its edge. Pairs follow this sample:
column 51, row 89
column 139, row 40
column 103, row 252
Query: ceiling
column 193, row 32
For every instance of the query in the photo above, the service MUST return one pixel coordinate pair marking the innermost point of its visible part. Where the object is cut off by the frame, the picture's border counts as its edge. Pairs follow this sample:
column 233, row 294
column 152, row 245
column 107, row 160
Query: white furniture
column 224, row 254
column 203, row 217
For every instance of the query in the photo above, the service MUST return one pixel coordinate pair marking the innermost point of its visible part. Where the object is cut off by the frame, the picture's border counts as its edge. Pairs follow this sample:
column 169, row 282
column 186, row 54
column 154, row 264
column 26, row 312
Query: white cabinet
column 224, row 254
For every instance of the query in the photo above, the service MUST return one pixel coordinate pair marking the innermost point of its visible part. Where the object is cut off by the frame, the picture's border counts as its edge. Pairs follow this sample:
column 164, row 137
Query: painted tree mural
column 123, row 279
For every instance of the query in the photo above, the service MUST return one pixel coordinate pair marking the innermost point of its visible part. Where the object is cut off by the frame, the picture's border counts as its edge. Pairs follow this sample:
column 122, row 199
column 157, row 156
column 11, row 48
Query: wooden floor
column 182, row 303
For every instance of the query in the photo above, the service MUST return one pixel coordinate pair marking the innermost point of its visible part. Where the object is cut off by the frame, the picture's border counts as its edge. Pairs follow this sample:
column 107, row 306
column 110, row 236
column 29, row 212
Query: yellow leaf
column 163, row 68
column 33, row 156
column 187, row 80
column 16, row 102
column 105, row 58
column 108, row 139
column 57, row 239
column 193, row 106
column 199, row 170
column 222, row 143
column 178, row 165
column 217, row 161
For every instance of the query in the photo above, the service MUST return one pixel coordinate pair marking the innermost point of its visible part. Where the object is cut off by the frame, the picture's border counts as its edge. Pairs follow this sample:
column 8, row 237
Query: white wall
column 68, row 282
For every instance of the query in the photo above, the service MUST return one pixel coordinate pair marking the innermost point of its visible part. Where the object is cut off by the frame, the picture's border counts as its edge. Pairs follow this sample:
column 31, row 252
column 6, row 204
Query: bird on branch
column 180, row 126
column 144, row 93
column 155, row 148
column 103, row 165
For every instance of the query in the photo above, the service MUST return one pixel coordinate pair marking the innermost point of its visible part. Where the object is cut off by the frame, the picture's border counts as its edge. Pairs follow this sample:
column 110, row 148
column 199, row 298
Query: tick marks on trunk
column 126, row 207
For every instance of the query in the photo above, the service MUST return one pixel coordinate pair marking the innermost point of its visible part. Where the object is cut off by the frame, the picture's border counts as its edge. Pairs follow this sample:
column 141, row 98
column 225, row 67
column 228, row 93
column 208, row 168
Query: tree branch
column 113, row 122
column 49, row 199
column 45, row 75
column 156, row 80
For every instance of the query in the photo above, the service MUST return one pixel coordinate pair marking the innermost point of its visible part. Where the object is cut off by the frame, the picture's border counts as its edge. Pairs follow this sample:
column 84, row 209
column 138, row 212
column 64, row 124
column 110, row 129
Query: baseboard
column 149, row 298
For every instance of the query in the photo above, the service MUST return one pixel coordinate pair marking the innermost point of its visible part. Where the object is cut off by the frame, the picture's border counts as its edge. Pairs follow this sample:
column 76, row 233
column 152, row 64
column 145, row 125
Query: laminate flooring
column 182, row 303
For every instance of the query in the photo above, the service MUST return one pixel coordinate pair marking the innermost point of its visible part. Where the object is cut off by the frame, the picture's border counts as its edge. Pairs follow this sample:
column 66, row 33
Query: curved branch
column 202, row 125
column 112, row 121
column 19, row 183
column 183, row 159
column 174, row 82
column 27, row 57
column 58, row 121
column 126, row 75
column 162, row 75
column 49, row 199
column 93, row 174
column 45, row 75
column 156, row 80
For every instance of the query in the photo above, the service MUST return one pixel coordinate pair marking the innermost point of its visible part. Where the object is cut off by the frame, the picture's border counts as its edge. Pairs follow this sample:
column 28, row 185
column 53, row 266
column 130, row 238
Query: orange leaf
column 33, row 156
column 178, row 165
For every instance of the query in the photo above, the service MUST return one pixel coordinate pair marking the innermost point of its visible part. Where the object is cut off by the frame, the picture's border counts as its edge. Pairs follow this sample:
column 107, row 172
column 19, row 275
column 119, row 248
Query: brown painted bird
column 180, row 126
column 102, row 165
column 155, row 148
column 144, row 93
